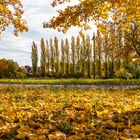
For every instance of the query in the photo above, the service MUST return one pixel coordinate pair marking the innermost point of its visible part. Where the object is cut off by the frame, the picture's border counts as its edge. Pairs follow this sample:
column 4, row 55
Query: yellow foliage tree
column 122, row 12
column 11, row 12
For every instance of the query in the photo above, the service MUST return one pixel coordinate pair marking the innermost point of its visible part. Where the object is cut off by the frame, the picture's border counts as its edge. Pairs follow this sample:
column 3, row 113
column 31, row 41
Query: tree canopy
column 11, row 12
column 121, row 13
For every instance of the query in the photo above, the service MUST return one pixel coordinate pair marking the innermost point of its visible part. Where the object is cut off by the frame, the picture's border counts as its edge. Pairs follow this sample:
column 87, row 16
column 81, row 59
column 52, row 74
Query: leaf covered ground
column 69, row 114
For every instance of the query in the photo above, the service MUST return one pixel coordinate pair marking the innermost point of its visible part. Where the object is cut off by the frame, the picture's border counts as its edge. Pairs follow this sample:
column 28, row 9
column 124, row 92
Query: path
column 85, row 86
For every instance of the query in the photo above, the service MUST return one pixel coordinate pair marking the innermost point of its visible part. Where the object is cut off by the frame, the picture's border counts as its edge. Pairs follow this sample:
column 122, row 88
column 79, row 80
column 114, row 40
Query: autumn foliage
column 46, row 114
column 11, row 12
column 122, row 13
column 10, row 69
column 107, row 55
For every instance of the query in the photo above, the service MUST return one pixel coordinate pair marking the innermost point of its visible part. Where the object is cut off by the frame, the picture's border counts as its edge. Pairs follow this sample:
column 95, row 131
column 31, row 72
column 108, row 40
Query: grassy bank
column 69, row 81
column 48, row 114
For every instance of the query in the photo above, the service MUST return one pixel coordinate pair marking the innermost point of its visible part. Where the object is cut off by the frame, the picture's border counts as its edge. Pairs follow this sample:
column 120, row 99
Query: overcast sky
column 36, row 12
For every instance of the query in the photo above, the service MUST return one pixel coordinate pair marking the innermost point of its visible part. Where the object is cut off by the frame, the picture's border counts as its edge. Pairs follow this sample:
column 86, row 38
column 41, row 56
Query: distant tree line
column 10, row 69
column 108, row 54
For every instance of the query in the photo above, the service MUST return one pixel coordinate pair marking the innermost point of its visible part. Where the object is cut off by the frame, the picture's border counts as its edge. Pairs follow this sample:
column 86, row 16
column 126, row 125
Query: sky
column 36, row 12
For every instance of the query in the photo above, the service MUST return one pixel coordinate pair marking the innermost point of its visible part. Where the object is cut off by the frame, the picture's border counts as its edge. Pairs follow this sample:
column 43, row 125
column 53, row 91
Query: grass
column 70, row 81
column 71, row 114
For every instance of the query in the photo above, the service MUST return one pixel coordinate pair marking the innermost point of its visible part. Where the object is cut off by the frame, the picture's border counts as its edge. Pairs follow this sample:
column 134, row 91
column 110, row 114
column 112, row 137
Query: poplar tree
column 52, row 57
column 98, row 41
column 112, row 44
column 43, row 58
column 84, row 54
column 63, row 57
column 94, row 56
column 57, row 56
column 79, row 60
column 48, row 56
column 67, row 56
column 89, row 50
column 34, row 57
column 73, row 48
column 119, row 49
column 105, row 46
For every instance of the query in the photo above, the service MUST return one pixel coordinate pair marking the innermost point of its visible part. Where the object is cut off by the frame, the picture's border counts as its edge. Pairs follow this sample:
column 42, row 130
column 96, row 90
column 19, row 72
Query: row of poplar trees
column 99, row 56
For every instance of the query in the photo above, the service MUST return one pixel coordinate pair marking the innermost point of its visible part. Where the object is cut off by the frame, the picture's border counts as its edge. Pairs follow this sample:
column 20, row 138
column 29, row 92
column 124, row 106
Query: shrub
column 123, row 73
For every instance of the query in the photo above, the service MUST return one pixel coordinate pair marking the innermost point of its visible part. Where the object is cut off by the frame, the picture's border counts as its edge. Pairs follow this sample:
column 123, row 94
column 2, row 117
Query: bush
column 77, row 75
column 123, row 73
column 134, row 71
column 20, row 75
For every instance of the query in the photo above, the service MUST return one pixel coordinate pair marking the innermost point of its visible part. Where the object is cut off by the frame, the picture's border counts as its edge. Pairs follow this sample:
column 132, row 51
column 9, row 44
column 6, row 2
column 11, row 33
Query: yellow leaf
column 135, row 128
column 21, row 136
column 123, row 138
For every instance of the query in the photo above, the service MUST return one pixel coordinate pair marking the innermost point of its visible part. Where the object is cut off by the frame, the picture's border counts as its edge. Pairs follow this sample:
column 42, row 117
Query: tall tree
column 134, row 37
column 78, row 52
column 98, row 41
column 112, row 44
column 57, row 56
column 119, row 48
column 67, row 56
column 34, row 57
column 73, row 48
column 89, row 53
column 94, row 55
column 63, row 57
column 52, row 57
column 48, row 57
column 105, row 46
column 43, row 58
column 84, row 53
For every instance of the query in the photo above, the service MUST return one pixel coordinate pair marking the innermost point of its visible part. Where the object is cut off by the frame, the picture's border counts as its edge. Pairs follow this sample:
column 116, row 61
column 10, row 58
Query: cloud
column 18, row 49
